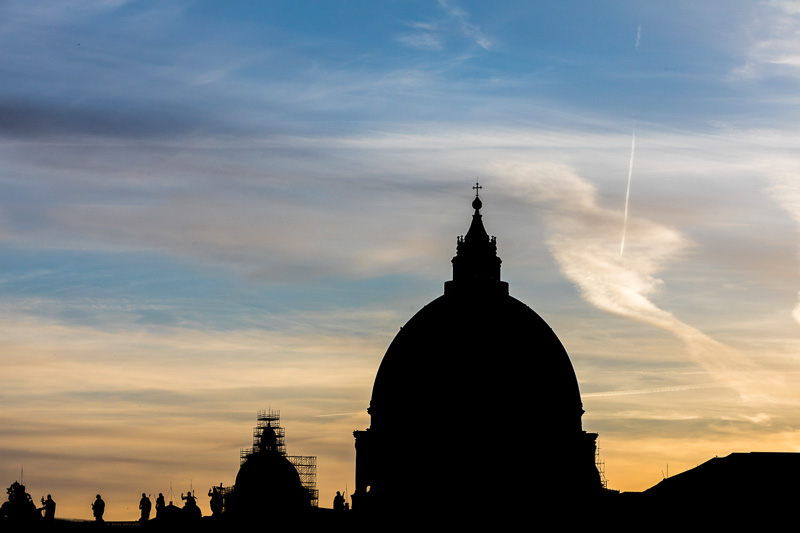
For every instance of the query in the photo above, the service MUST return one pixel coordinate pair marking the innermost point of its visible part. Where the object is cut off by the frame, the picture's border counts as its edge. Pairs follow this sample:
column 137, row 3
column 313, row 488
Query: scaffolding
column 601, row 467
column 269, row 436
column 306, row 466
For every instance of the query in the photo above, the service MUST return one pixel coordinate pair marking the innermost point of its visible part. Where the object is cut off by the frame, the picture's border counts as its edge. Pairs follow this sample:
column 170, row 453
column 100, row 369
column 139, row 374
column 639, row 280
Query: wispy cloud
column 433, row 35
column 583, row 240
column 775, row 40
column 424, row 35
column 424, row 40
column 467, row 29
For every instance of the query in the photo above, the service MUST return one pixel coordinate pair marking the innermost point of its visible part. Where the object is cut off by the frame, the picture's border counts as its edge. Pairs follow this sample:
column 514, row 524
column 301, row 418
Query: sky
column 211, row 208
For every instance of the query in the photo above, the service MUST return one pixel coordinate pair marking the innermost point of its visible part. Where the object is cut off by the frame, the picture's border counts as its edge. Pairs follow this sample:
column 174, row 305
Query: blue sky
column 208, row 209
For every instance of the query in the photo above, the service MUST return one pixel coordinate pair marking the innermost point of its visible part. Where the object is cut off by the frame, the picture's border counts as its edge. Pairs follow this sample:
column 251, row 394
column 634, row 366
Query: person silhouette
column 49, row 508
column 338, row 502
column 190, row 499
column 160, row 504
column 216, row 500
column 190, row 508
column 145, row 506
column 98, row 508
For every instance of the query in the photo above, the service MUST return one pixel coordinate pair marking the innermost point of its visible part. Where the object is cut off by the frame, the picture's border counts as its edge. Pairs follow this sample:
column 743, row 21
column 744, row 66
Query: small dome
column 267, row 481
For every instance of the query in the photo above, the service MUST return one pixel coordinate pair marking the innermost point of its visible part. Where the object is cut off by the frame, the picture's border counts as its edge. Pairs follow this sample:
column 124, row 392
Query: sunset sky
column 211, row 208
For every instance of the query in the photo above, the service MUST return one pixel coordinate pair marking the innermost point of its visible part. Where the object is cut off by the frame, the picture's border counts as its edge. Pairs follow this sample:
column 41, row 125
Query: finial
column 476, row 203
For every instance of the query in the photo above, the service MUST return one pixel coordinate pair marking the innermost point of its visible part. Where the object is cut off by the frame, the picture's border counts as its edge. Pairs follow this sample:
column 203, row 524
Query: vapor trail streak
column 676, row 388
column 628, row 193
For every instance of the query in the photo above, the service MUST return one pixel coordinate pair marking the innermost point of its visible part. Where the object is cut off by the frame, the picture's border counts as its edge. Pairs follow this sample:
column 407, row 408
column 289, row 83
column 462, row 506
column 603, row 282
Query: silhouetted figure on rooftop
column 20, row 506
column 49, row 508
column 98, row 508
column 145, row 505
column 338, row 502
column 216, row 500
column 160, row 504
column 190, row 508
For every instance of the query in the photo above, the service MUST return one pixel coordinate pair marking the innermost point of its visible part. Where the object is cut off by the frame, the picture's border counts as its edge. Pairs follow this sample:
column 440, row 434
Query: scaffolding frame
column 601, row 467
column 306, row 465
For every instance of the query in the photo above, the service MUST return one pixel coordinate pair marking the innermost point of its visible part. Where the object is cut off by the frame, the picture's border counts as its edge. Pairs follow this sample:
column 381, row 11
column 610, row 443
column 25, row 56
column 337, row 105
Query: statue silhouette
column 338, row 502
column 49, row 508
column 98, row 508
column 190, row 509
column 216, row 500
column 160, row 504
column 145, row 505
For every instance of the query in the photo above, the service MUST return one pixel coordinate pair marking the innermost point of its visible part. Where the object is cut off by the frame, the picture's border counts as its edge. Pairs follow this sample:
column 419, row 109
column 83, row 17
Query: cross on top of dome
column 476, row 203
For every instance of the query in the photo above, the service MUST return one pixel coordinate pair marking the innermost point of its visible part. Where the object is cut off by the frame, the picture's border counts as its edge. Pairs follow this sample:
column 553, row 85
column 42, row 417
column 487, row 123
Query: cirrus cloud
column 584, row 240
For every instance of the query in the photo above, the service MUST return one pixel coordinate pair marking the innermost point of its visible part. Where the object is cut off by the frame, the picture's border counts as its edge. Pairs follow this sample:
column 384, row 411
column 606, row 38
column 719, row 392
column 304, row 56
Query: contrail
column 676, row 388
column 628, row 192
column 630, row 166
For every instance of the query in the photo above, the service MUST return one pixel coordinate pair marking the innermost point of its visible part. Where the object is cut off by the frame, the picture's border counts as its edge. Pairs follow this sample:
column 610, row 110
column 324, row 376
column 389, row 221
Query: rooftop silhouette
column 475, row 414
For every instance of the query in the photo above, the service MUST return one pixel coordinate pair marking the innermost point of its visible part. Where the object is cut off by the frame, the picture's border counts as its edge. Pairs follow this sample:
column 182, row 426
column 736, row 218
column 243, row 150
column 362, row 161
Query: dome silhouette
column 486, row 349
column 475, row 392
column 268, row 481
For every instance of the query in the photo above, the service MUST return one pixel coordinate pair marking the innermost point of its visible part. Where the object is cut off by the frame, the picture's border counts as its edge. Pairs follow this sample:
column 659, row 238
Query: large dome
column 475, row 390
column 471, row 354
